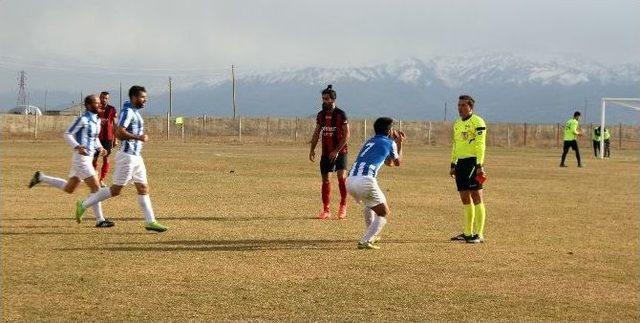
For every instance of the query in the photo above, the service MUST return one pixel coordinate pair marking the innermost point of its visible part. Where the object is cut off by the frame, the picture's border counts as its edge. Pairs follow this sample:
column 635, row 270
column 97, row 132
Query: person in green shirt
column 607, row 143
column 571, row 133
column 467, row 161
column 596, row 137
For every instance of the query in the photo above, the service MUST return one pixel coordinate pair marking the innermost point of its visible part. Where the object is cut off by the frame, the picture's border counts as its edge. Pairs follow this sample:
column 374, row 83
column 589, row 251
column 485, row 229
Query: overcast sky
column 166, row 35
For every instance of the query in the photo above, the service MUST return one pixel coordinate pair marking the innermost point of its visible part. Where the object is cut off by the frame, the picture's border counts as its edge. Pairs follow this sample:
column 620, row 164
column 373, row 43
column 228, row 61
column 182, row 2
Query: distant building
column 26, row 109
column 73, row 110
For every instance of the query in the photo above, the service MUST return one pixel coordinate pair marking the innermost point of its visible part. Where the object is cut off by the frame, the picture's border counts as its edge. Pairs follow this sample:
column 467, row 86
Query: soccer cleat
column 103, row 185
column 580, row 165
column 474, row 239
column 367, row 245
column 376, row 239
column 563, row 165
column 79, row 211
column 155, row 226
column 324, row 215
column 105, row 224
column 35, row 180
column 342, row 212
column 460, row 237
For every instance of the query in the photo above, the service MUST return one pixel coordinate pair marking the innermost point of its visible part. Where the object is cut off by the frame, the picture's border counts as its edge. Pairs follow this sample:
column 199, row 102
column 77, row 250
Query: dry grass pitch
column 243, row 245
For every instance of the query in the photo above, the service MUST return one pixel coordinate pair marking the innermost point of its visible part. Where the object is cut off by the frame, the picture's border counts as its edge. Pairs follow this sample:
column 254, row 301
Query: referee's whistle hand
column 452, row 173
column 312, row 156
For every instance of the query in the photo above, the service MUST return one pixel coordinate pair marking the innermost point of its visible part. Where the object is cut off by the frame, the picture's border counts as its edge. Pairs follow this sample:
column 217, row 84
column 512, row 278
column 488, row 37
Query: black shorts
column 466, row 175
column 573, row 144
column 328, row 166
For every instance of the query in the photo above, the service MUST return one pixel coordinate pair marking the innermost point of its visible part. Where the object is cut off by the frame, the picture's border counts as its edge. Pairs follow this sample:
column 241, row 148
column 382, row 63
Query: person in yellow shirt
column 467, row 167
column 571, row 133
column 607, row 143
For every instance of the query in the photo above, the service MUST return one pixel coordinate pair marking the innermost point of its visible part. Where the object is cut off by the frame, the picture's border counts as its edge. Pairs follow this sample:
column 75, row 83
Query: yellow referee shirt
column 469, row 139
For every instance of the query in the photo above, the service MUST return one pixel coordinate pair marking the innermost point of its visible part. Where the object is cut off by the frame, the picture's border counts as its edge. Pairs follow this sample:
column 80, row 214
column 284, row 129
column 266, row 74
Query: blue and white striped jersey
column 85, row 131
column 372, row 156
column 131, row 120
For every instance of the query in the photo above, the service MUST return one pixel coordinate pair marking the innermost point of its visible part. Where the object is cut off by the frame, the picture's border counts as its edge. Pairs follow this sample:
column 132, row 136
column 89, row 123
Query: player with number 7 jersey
column 383, row 148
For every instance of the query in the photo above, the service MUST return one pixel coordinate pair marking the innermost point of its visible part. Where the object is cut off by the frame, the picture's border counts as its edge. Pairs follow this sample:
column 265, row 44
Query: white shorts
column 365, row 189
column 81, row 166
column 129, row 168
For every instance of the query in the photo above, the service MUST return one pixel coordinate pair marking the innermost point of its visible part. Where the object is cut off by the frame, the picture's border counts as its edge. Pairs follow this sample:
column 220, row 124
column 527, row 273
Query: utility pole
column 233, row 84
column 445, row 111
column 585, row 110
column 120, row 95
column 22, row 93
column 170, row 97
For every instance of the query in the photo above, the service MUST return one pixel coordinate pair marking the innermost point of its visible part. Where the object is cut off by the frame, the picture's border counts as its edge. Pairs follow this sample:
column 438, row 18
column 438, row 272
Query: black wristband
column 478, row 165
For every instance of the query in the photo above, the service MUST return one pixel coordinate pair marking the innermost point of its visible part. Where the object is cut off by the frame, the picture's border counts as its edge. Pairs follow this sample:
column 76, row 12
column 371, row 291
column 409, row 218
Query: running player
column 467, row 167
column 332, row 125
column 107, row 115
column 385, row 147
column 129, row 164
column 571, row 133
column 82, row 136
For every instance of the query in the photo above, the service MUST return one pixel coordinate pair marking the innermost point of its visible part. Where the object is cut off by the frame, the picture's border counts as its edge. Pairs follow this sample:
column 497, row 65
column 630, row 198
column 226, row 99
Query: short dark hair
column 136, row 90
column 382, row 126
column 329, row 90
column 576, row 114
column 468, row 98
column 88, row 99
column 104, row 93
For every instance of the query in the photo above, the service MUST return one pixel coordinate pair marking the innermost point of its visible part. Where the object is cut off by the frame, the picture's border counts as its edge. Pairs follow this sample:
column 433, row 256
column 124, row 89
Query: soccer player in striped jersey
column 467, row 167
column 129, row 164
column 82, row 136
column 332, row 125
column 383, row 148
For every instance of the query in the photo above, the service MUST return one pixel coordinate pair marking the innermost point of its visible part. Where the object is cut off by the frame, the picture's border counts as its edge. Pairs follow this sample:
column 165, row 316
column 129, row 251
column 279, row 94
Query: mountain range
column 506, row 87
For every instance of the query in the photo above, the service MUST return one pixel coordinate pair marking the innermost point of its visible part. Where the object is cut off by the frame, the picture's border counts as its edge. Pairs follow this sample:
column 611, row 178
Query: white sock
column 53, row 181
column 145, row 205
column 97, row 211
column 97, row 197
column 368, row 217
column 374, row 229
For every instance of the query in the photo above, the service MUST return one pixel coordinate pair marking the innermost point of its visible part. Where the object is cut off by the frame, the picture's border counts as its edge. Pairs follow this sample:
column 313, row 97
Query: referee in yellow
column 467, row 159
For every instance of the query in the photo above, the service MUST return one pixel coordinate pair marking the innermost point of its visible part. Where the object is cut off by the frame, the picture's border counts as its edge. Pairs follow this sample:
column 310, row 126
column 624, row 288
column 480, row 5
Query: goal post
column 632, row 103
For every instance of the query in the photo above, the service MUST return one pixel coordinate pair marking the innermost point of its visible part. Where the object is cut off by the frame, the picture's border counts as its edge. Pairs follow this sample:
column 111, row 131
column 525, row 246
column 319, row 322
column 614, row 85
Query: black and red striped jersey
column 331, row 123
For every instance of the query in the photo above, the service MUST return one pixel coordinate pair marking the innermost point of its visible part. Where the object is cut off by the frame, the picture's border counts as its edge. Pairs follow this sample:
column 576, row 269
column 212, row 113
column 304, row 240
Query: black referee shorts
column 466, row 175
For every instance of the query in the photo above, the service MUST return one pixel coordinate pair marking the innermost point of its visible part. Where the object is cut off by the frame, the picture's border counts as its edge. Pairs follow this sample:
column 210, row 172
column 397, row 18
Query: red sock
column 105, row 168
column 342, row 183
column 326, row 195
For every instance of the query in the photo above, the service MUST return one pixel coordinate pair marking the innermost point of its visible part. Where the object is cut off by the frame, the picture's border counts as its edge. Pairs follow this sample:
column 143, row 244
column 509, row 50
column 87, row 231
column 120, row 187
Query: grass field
column 562, row 244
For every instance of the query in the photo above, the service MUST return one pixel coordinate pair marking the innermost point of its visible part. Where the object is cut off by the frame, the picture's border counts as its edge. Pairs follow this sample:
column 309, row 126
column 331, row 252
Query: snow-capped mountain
column 507, row 87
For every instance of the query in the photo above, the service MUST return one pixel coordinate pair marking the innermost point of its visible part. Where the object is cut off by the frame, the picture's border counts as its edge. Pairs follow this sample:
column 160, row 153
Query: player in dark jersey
column 332, row 125
column 107, row 115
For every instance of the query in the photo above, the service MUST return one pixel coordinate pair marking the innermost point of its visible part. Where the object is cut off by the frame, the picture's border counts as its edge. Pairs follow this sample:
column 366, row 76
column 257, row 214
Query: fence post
column 508, row 136
column 557, row 135
column 364, row 131
column 182, row 131
column 204, row 124
column 240, row 129
column 295, row 134
column 525, row 134
column 429, row 133
column 168, row 122
column 620, row 135
column 35, row 128
column 267, row 129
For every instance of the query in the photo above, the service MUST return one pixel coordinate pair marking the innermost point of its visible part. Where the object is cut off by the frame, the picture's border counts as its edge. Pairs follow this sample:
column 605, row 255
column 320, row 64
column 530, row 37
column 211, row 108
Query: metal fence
column 299, row 130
